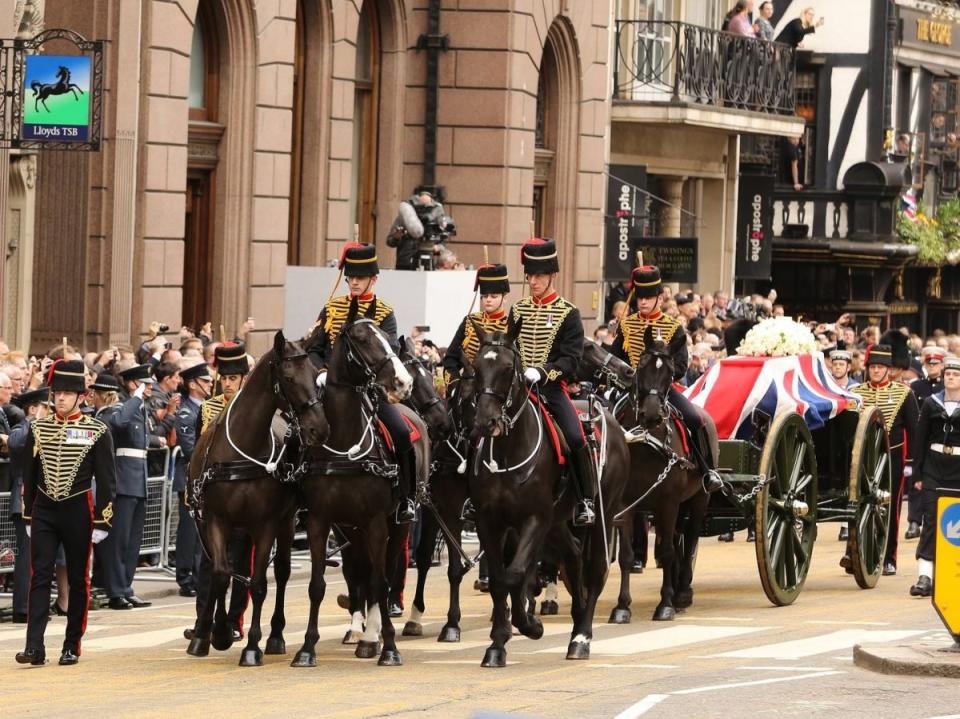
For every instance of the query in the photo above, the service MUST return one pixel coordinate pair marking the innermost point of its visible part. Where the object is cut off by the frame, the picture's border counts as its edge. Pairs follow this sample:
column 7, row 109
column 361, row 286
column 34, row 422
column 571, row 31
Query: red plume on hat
column 346, row 248
column 53, row 367
column 528, row 243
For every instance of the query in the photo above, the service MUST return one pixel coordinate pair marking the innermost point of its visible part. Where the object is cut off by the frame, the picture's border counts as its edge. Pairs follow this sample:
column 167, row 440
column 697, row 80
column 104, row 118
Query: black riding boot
column 585, row 485
column 704, row 459
column 407, row 480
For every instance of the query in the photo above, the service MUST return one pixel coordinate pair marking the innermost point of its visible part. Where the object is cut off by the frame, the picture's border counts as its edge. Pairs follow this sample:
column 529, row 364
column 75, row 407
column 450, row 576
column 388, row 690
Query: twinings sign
column 938, row 33
column 922, row 31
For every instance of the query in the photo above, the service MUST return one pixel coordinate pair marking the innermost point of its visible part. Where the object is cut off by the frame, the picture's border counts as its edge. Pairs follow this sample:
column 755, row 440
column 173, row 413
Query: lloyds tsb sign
column 55, row 85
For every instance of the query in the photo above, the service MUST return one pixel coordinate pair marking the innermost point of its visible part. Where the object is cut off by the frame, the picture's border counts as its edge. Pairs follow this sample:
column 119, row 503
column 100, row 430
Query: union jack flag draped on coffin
column 736, row 386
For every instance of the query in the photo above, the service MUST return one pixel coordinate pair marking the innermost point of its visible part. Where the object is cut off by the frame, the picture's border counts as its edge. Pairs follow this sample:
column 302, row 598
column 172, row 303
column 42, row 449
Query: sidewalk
column 926, row 658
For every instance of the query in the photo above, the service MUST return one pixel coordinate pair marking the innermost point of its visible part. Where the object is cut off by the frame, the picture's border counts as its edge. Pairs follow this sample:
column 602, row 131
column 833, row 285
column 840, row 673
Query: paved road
column 732, row 654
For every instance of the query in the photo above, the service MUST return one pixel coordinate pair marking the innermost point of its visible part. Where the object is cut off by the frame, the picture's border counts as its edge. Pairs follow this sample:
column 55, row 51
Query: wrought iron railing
column 661, row 61
column 810, row 214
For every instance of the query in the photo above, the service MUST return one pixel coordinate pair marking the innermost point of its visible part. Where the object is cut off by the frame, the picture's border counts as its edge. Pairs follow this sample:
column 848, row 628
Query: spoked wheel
column 870, row 484
column 786, row 510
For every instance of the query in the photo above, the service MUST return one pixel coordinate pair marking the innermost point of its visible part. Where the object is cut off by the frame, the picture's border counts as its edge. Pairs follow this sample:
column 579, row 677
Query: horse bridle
column 659, row 356
column 435, row 400
column 291, row 412
column 356, row 357
column 506, row 400
column 609, row 375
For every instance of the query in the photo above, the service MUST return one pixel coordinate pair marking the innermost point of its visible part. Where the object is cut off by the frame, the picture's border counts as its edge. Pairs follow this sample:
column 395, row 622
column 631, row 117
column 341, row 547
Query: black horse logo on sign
column 41, row 91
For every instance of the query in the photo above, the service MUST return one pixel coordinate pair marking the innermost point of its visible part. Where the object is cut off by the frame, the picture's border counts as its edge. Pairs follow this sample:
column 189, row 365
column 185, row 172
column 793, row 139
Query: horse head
column 653, row 380
column 498, row 384
column 423, row 396
column 64, row 73
column 597, row 361
column 294, row 380
column 370, row 358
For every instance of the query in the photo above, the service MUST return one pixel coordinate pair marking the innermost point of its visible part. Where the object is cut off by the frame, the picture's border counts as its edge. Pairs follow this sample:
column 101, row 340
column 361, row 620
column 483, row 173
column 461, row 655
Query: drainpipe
column 434, row 43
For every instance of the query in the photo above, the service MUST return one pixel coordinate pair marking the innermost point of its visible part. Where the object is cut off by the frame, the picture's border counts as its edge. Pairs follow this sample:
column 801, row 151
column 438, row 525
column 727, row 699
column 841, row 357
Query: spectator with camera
column 419, row 231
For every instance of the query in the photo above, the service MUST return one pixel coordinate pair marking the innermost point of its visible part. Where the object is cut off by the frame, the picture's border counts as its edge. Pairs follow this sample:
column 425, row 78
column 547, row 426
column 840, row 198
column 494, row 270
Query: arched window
column 545, row 142
column 202, row 97
column 365, row 122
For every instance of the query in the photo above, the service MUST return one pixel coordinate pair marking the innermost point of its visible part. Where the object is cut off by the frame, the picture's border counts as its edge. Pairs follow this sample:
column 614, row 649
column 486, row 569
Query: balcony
column 673, row 72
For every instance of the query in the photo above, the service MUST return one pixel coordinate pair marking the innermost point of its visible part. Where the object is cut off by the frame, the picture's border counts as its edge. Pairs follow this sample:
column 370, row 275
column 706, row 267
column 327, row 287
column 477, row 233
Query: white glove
column 532, row 375
column 28, row 530
column 908, row 471
column 322, row 379
column 98, row 536
column 138, row 392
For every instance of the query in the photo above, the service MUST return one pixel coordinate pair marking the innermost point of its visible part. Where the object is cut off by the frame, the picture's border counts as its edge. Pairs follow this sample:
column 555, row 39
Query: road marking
column 53, row 630
column 659, row 639
column 774, row 680
column 641, row 707
column 591, row 665
column 847, row 624
column 820, row 644
column 141, row 640
column 473, row 640
column 789, row 669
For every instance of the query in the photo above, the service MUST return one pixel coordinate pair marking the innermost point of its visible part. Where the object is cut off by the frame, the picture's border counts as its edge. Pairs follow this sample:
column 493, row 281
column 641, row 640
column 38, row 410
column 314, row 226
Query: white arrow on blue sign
column 950, row 524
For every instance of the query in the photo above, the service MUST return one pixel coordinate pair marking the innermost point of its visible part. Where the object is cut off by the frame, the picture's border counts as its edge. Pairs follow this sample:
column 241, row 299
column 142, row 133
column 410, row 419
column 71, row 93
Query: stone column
column 672, row 193
column 18, row 267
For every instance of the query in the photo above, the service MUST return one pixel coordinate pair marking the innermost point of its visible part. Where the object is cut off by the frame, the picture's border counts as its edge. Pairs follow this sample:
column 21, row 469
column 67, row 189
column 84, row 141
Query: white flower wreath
column 778, row 337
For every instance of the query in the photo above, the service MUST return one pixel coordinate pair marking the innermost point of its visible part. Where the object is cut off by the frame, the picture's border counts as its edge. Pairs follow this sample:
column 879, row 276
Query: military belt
column 130, row 452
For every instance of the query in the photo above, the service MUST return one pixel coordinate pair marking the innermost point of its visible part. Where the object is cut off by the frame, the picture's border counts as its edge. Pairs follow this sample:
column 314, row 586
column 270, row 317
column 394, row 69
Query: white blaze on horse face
column 490, row 355
column 659, row 363
column 404, row 380
column 372, row 633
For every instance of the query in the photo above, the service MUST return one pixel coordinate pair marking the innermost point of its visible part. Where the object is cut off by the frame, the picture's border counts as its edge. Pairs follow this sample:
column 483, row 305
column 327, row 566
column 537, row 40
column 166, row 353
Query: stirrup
column 712, row 481
column 469, row 512
column 583, row 514
column 406, row 511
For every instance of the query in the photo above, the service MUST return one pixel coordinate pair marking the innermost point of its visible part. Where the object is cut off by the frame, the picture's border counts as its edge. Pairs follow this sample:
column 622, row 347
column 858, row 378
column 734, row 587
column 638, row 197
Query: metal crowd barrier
column 8, row 535
column 158, row 540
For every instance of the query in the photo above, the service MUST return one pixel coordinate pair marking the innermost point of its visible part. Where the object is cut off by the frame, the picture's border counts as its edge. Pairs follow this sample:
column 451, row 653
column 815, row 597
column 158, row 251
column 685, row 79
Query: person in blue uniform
column 60, row 456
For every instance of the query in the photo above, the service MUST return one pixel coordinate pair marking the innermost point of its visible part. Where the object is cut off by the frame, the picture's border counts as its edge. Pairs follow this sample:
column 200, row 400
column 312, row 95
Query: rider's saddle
column 388, row 440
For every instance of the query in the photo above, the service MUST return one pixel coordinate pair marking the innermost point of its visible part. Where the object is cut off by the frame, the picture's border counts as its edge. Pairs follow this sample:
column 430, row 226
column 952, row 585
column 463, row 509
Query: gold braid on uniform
column 471, row 343
column 210, row 410
column 338, row 308
column 541, row 322
column 633, row 327
column 62, row 447
column 888, row 398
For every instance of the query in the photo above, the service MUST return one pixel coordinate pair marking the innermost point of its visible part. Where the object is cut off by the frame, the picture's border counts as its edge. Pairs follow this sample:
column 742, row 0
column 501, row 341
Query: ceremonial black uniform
column 60, row 459
column 922, row 388
column 900, row 416
column 937, row 463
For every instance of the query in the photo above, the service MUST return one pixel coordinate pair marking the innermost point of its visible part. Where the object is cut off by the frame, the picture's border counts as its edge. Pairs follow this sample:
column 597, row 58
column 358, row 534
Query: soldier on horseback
column 230, row 359
column 551, row 343
column 493, row 284
column 358, row 264
column 629, row 346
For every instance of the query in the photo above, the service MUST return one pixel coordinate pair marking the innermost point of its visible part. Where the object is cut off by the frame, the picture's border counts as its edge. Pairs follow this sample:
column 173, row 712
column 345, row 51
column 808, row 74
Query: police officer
column 629, row 346
column 551, row 344
column 34, row 405
column 493, row 284
column 900, row 415
column 60, row 455
column 840, row 368
column 358, row 263
column 128, row 425
column 937, row 465
column 197, row 384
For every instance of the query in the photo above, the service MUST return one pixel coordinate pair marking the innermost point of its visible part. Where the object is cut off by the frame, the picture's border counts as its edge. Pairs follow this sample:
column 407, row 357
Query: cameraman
column 419, row 231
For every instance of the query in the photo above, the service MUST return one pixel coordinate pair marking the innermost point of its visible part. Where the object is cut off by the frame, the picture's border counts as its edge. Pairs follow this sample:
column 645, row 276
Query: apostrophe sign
column 56, row 98
column 946, row 581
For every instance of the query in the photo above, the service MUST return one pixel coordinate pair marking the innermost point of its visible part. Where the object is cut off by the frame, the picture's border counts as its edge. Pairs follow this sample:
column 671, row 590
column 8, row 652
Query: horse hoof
column 198, row 647
column 351, row 637
column 367, row 650
column 275, row 645
column 683, row 600
column 390, row 658
column 494, row 658
column 549, row 608
column 412, row 629
column 449, row 634
column 664, row 614
column 343, row 601
column 304, row 659
column 481, row 585
column 619, row 615
column 578, row 650
column 534, row 628
column 251, row 658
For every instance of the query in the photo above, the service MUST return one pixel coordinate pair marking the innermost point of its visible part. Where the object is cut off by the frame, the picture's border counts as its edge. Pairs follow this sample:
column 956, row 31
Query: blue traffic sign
column 950, row 524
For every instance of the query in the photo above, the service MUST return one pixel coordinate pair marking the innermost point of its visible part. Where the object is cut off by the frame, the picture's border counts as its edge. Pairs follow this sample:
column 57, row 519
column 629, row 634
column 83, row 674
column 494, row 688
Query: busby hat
column 539, row 257
column 879, row 354
column 68, row 376
column 932, row 354
column 106, row 382
column 951, row 363
column 34, row 396
column 841, row 355
column 231, row 358
column 492, row 280
column 646, row 281
column 198, row 371
column 899, row 348
column 140, row 373
column 359, row 260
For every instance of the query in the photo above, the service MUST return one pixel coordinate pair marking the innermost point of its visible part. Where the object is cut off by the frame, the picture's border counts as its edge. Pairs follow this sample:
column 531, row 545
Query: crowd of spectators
column 745, row 21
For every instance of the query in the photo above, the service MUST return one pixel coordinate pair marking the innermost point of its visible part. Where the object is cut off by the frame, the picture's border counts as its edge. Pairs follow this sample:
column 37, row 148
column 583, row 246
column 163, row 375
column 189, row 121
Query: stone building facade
column 243, row 136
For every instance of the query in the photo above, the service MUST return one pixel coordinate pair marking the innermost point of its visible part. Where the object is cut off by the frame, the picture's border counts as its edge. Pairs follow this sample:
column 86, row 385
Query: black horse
column 663, row 481
column 232, row 482
column 519, row 489
column 41, row 91
column 349, row 481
